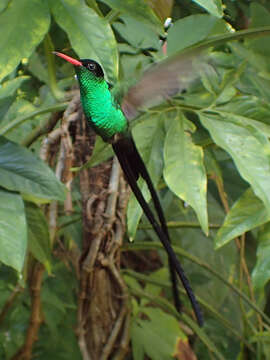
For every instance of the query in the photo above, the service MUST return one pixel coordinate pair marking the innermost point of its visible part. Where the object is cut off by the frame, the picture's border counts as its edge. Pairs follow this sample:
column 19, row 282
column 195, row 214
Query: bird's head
column 85, row 68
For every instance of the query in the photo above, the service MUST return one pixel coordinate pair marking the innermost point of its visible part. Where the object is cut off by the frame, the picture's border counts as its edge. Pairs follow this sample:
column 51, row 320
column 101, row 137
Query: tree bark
column 103, row 313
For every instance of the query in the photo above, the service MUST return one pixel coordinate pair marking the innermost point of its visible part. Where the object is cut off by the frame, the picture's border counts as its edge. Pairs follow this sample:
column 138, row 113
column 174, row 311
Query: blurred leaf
column 130, row 64
column 136, row 33
column 184, row 170
column 21, row 171
column 210, row 79
column 212, row 166
column 162, row 8
column 21, row 37
column 249, row 148
column 90, row 35
column 247, row 213
column 52, row 299
column 261, row 271
column 93, row 5
column 38, row 235
column 3, row 4
column 37, row 68
column 260, row 16
column 189, row 30
column 18, row 121
column 246, row 110
column 139, row 10
column 148, row 136
column 9, row 87
column 13, row 233
column 214, row 7
column 160, row 329
column 20, row 107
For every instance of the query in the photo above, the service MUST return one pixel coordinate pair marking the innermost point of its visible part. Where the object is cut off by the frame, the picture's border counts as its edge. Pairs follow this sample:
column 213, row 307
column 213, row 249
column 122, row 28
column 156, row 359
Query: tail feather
column 133, row 166
column 140, row 168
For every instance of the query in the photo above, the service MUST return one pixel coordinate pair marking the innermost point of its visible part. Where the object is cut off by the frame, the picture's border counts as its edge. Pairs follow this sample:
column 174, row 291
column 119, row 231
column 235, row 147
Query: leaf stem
column 112, row 16
column 179, row 251
column 93, row 5
column 40, row 130
column 20, row 119
column 181, row 224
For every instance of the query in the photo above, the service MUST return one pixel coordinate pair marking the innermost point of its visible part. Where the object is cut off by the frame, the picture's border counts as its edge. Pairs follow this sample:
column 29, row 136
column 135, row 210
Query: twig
column 21, row 119
column 123, row 347
column 113, row 336
column 179, row 251
column 25, row 352
column 113, row 250
column 240, row 245
column 43, row 129
column 10, row 302
column 64, row 162
column 181, row 224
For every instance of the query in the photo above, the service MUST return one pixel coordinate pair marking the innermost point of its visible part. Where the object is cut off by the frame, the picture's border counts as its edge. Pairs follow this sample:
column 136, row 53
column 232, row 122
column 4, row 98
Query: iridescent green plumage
column 100, row 109
column 108, row 120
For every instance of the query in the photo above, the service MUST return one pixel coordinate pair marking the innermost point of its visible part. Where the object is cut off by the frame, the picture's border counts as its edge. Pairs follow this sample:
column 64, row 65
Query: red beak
column 68, row 58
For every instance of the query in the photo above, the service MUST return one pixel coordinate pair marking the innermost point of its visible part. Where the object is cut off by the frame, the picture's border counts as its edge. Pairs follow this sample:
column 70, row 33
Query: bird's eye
column 91, row 66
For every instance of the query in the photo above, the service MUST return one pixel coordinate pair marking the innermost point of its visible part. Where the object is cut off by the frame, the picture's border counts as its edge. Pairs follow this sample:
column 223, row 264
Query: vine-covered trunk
column 103, row 316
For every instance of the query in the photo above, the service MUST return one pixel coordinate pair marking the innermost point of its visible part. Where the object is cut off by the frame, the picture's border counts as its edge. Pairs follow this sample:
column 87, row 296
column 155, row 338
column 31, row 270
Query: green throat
column 100, row 109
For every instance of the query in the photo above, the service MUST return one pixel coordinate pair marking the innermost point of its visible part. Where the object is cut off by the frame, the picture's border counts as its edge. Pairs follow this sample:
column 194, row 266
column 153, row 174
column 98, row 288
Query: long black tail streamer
column 133, row 166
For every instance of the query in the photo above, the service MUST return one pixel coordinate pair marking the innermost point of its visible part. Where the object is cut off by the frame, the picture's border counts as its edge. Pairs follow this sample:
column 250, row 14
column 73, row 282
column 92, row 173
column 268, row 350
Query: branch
column 10, row 302
column 25, row 352
column 40, row 130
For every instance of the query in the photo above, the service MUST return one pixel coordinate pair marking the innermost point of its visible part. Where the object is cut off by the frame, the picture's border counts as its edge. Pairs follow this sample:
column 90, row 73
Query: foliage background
column 207, row 151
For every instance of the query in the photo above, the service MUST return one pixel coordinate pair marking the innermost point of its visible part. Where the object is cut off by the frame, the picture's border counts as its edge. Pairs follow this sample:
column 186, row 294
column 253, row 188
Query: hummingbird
column 111, row 121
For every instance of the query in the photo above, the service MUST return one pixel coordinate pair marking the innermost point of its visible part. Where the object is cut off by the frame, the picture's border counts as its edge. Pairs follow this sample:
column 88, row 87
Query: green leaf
column 21, row 171
column 184, row 171
column 13, row 233
column 212, row 166
column 90, row 35
column 9, row 87
column 93, row 5
column 249, row 148
column 248, row 110
column 214, row 7
column 136, row 33
column 247, row 213
column 160, row 329
column 3, row 4
column 21, row 119
column 148, row 136
column 189, row 30
column 38, row 235
column 37, row 68
column 21, row 36
column 217, row 40
column 261, row 271
column 20, row 107
column 139, row 10
column 259, row 16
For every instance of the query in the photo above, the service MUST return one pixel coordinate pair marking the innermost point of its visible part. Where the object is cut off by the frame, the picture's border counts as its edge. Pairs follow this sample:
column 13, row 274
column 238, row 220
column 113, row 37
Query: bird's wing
column 175, row 73
column 162, row 81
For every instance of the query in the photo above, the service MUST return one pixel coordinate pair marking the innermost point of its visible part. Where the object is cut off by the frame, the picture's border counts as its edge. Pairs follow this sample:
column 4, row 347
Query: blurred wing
column 162, row 81
column 175, row 73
